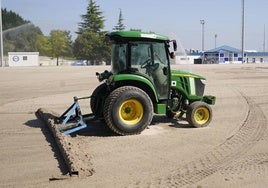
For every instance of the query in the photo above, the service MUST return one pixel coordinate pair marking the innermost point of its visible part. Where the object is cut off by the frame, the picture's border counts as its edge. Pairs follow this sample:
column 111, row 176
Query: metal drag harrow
column 72, row 119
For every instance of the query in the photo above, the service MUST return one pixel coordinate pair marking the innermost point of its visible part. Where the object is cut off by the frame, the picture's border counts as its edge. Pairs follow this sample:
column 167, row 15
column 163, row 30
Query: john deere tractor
column 142, row 83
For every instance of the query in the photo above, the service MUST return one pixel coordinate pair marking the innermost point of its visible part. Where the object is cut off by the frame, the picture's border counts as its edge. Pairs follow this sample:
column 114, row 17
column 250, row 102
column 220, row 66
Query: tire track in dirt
column 250, row 132
column 258, row 163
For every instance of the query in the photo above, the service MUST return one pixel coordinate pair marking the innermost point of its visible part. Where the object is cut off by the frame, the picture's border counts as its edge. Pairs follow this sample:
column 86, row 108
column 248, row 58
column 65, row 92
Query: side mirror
column 175, row 45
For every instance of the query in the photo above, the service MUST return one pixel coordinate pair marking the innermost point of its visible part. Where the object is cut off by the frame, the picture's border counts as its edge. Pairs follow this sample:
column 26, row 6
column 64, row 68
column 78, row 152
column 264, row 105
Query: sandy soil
column 231, row 152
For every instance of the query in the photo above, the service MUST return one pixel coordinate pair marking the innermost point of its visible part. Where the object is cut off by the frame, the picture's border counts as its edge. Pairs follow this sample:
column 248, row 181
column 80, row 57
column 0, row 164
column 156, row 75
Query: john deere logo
column 16, row 58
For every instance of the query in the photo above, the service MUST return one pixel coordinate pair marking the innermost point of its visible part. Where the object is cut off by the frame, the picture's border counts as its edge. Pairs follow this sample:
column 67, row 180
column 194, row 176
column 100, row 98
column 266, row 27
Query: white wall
column 187, row 59
column 18, row 59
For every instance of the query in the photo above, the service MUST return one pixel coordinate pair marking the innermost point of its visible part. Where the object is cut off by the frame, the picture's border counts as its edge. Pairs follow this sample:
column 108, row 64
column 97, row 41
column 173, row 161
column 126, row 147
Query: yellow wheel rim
column 201, row 115
column 131, row 111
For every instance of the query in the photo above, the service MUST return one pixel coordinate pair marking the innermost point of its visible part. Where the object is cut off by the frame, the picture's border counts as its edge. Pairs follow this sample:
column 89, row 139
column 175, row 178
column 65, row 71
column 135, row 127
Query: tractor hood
column 185, row 74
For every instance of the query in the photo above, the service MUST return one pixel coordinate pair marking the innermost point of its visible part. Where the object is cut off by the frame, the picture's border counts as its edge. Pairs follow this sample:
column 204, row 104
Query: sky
column 178, row 19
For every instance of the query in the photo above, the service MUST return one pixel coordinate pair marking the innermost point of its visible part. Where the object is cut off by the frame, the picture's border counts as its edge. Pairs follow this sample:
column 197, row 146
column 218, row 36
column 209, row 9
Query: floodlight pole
column 216, row 40
column 264, row 39
column 243, row 29
column 1, row 36
column 203, row 35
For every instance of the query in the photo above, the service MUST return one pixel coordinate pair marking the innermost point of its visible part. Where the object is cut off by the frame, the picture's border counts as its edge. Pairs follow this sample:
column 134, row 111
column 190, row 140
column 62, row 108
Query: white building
column 18, row 59
column 227, row 54
column 256, row 57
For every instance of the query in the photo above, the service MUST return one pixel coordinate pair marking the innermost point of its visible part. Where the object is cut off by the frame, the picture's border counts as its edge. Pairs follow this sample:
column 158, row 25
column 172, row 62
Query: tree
column 89, row 44
column 59, row 43
column 11, row 19
column 120, row 26
column 93, row 20
column 19, row 35
column 21, row 39
column 43, row 46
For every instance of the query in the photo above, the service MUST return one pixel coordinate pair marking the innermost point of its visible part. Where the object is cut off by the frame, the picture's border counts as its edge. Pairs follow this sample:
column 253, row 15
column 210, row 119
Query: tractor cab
column 143, row 54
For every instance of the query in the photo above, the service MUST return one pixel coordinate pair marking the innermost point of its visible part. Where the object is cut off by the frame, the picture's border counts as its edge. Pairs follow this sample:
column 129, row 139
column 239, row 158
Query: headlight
column 203, row 81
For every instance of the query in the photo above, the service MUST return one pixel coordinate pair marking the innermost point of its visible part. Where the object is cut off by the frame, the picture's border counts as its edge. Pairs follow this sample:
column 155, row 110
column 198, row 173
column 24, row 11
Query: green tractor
column 142, row 83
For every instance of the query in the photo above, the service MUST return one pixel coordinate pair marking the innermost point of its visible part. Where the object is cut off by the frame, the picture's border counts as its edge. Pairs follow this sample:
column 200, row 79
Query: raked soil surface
column 231, row 152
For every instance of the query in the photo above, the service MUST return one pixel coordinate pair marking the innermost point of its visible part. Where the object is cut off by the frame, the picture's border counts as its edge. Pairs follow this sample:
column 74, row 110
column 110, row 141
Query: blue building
column 222, row 54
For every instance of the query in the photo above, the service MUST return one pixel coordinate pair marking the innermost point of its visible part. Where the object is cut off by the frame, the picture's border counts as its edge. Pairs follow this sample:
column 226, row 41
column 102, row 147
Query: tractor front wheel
column 128, row 110
column 199, row 114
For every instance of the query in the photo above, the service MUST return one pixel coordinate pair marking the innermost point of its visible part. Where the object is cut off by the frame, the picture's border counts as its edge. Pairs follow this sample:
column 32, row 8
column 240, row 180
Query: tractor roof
column 136, row 35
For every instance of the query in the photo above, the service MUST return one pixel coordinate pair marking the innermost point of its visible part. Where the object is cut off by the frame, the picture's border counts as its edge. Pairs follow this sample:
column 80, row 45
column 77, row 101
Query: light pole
column 243, row 29
column 1, row 35
column 216, row 40
column 264, row 39
column 203, row 35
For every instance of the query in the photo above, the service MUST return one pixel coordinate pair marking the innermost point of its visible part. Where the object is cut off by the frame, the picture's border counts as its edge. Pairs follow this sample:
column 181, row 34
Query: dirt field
column 231, row 152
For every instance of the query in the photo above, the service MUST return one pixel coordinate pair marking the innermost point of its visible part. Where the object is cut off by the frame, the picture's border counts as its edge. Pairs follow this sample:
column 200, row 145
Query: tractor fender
column 139, row 81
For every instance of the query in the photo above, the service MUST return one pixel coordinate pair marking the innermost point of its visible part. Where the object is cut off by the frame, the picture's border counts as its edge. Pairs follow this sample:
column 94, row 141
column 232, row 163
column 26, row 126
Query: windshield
column 141, row 53
column 147, row 54
column 118, row 57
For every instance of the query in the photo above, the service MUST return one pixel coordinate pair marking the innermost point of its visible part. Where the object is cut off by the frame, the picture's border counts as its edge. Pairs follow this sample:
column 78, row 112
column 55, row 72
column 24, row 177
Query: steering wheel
column 146, row 63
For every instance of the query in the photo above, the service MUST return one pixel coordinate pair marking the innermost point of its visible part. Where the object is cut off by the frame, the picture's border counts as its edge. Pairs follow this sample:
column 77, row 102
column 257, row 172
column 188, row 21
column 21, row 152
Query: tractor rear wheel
column 128, row 110
column 199, row 114
column 97, row 99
